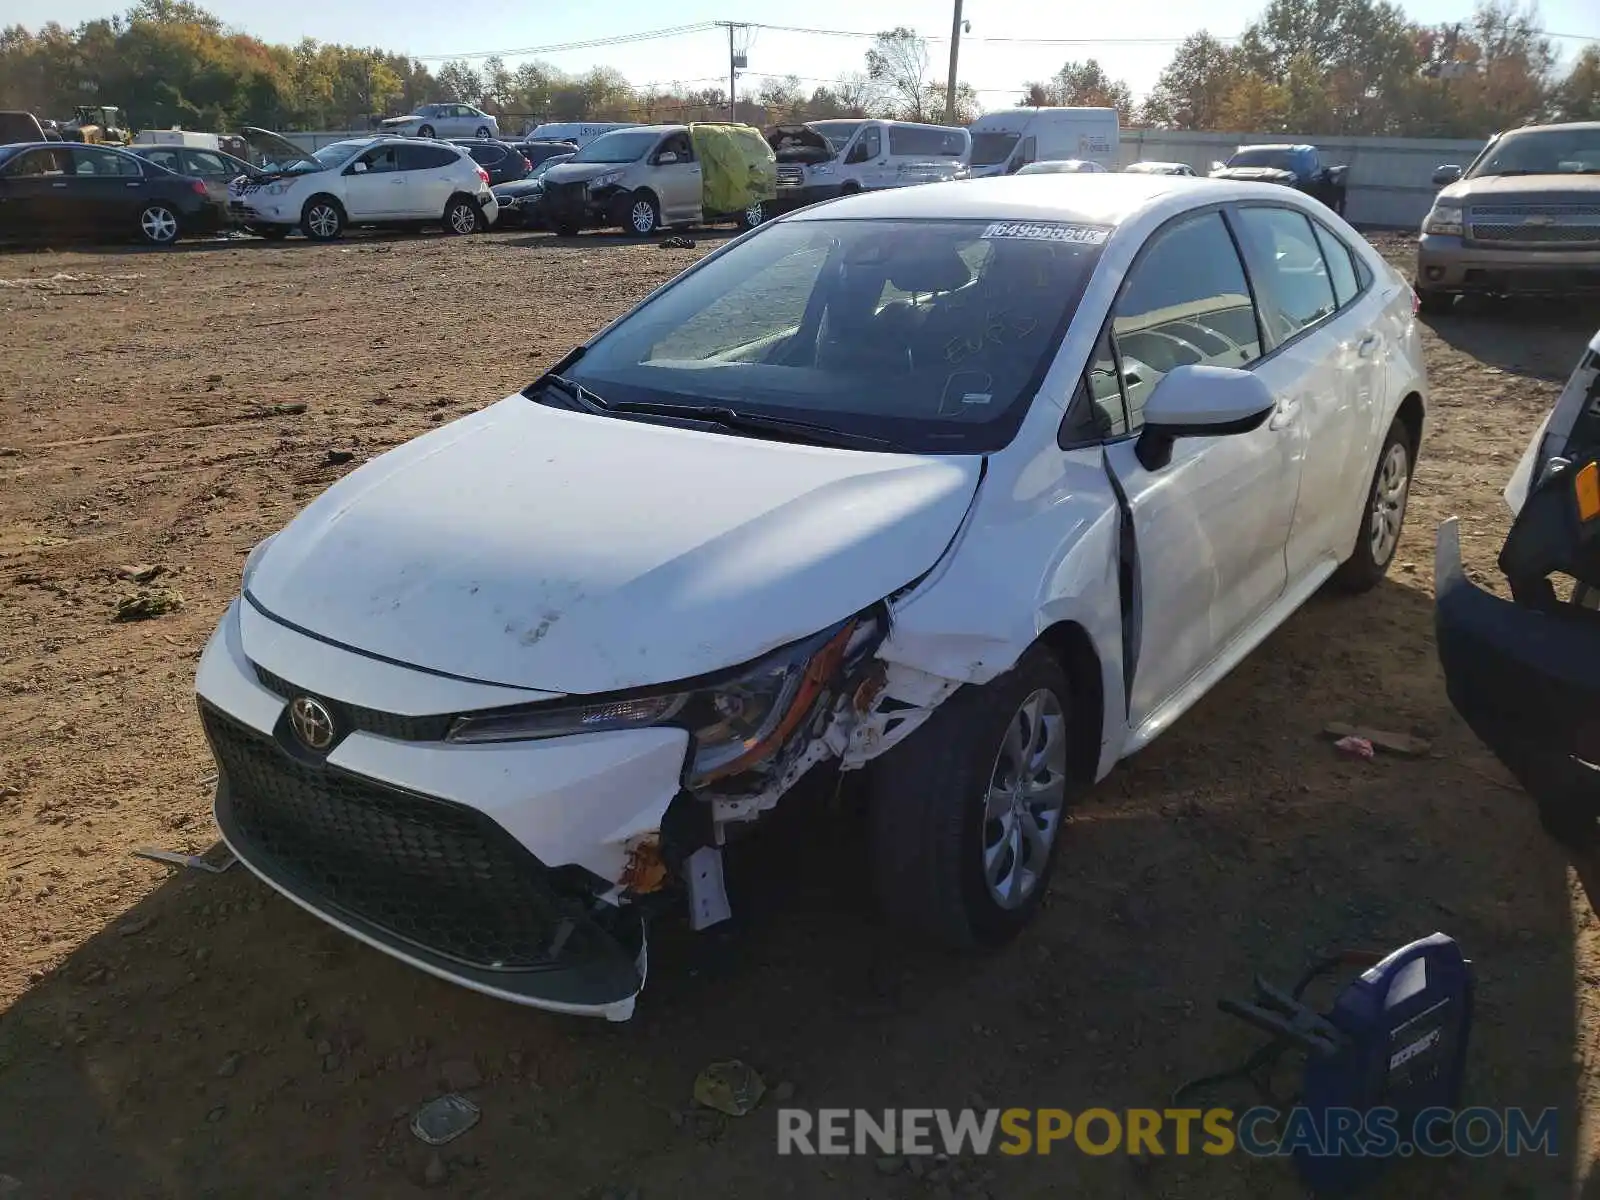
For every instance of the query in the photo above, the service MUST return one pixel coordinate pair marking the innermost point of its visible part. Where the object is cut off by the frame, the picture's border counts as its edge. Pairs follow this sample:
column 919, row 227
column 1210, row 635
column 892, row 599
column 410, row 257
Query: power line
column 645, row 35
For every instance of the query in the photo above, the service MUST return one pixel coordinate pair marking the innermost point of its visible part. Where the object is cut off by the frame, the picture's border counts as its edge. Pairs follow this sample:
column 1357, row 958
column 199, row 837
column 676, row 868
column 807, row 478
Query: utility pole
column 950, row 84
column 735, row 62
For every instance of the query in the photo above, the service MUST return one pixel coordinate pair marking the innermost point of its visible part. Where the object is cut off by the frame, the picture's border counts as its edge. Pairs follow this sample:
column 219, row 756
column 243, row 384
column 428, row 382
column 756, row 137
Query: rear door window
column 93, row 162
column 425, row 158
column 1341, row 263
column 1289, row 266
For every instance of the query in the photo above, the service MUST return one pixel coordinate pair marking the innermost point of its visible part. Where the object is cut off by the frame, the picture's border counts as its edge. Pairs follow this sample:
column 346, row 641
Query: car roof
column 1570, row 126
column 1097, row 198
column 1296, row 146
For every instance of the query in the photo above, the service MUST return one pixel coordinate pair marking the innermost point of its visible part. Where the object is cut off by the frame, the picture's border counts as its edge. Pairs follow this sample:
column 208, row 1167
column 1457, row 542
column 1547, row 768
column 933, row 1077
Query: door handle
column 134, row 183
column 1288, row 412
column 58, row 185
column 1367, row 345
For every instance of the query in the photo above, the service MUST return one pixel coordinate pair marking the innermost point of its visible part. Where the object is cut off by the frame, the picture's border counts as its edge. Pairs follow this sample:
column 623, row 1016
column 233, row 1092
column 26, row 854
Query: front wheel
column 483, row 131
column 753, row 215
column 967, row 812
column 323, row 219
column 461, row 216
column 158, row 225
column 1385, row 515
column 642, row 214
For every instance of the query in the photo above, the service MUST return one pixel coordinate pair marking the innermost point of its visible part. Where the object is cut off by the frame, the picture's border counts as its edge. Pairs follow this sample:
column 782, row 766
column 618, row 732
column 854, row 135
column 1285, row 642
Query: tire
column 425, row 131
column 637, row 209
column 948, row 800
column 322, row 219
column 1383, row 517
column 483, row 131
column 159, row 224
column 461, row 216
column 1434, row 303
column 273, row 233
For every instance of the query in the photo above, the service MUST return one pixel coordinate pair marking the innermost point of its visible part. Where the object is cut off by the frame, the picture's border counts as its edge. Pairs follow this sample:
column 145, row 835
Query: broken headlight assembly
column 735, row 721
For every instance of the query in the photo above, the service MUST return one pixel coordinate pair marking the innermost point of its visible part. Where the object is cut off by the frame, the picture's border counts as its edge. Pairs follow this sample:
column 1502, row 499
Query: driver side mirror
column 1200, row 401
column 1445, row 176
column 359, row 168
column 666, row 158
column 1218, row 166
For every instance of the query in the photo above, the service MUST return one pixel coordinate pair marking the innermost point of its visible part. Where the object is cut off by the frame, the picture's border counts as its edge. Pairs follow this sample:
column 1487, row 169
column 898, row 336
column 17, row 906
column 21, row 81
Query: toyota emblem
column 312, row 723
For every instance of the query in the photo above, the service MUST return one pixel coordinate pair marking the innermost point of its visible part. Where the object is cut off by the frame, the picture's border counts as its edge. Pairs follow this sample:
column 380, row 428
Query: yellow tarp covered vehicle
column 738, row 169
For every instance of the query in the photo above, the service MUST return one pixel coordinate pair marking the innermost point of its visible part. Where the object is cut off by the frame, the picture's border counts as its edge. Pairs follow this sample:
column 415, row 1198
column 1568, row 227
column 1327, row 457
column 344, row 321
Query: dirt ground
column 170, row 1033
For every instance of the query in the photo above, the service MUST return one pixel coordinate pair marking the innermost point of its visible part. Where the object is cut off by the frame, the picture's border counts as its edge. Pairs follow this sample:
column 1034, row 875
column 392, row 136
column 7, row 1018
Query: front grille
column 368, row 720
column 439, row 875
column 790, row 176
column 1548, row 235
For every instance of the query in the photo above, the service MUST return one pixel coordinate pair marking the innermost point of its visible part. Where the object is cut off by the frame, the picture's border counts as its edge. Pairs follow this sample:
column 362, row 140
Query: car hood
column 554, row 550
column 518, row 187
column 392, row 122
column 1255, row 174
column 1527, row 189
column 581, row 172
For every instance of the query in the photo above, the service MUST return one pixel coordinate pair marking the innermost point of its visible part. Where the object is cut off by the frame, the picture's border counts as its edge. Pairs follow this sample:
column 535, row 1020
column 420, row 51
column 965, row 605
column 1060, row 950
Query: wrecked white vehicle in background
column 974, row 488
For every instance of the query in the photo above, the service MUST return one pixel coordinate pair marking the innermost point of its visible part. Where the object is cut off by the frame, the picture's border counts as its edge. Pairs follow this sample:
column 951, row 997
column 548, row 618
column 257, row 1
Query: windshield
column 838, row 133
column 554, row 161
column 991, row 148
column 932, row 335
column 620, row 147
column 336, row 154
column 1278, row 160
column 1542, row 152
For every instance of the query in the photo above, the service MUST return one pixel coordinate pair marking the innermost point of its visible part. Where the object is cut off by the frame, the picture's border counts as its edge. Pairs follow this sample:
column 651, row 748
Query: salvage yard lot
column 178, row 1034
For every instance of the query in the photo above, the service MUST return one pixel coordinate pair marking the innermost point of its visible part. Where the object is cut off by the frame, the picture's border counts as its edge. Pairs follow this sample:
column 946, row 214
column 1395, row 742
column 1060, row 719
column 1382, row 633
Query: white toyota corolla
column 975, row 487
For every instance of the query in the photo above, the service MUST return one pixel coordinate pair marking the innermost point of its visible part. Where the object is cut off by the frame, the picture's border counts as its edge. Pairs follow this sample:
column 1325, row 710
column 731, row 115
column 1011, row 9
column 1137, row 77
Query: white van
column 823, row 159
column 579, row 132
column 178, row 137
column 1006, row 140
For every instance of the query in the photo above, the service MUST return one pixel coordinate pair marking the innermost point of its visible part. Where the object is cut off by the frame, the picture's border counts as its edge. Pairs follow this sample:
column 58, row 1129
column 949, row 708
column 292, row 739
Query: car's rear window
column 932, row 334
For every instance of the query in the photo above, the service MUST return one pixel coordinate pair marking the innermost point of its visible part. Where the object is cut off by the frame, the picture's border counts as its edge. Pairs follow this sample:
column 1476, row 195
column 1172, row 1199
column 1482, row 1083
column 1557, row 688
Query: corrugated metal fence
column 1388, row 177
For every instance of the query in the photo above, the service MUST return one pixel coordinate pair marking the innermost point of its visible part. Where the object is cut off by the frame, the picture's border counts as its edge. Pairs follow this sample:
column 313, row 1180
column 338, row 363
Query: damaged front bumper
column 1526, row 680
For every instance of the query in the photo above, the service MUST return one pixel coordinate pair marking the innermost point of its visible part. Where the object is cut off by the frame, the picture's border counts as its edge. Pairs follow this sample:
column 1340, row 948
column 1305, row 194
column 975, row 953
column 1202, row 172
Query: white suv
column 444, row 121
column 364, row 181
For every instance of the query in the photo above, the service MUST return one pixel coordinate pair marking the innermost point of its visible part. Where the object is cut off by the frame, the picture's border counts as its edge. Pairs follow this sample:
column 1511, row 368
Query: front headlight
column 606, row 180
column 822, row 169
column 1443, row 218
column 734, row 723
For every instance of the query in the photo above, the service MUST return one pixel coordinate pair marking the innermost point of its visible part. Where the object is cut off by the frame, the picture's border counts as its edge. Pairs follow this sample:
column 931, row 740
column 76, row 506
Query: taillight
column 198, row 187
column 483, row 175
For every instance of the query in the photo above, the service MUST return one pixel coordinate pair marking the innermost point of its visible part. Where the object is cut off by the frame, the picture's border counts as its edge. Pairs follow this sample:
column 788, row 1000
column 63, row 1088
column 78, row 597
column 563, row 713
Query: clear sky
column 997, row 67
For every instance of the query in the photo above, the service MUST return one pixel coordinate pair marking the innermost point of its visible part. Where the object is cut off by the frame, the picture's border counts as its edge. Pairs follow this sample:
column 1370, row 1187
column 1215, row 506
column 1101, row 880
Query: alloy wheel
column 158, row 224
column 324, row 220
column 463, row 219
column 1389, row 502
column 643, row 217
column 1026, row 798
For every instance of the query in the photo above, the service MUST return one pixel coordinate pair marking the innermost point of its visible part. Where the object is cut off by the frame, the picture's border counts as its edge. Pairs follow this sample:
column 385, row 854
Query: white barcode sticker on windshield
column 1080, row 235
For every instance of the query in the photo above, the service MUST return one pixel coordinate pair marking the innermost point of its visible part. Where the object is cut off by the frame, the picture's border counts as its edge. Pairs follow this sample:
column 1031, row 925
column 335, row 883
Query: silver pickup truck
column 1522, row 219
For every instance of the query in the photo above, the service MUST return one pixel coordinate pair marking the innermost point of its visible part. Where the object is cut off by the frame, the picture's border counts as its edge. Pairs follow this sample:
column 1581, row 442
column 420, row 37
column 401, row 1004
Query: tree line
column 1304, row 66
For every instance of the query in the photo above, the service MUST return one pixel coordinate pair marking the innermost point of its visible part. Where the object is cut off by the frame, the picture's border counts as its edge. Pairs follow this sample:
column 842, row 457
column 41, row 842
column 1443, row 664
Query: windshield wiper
column 583, row 399
column 806, row 432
